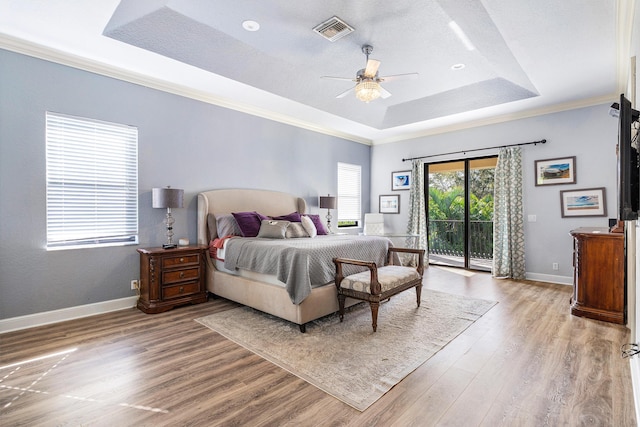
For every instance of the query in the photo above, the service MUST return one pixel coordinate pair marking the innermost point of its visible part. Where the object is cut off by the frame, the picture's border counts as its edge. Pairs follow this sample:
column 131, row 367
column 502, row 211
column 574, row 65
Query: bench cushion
column 389, row 276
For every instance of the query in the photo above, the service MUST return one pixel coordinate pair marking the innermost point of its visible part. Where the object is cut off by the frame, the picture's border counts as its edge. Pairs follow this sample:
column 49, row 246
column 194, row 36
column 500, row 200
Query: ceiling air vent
column 333, row 29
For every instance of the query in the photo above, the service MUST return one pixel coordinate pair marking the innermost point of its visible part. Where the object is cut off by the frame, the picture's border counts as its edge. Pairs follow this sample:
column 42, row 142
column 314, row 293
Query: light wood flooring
column 527, row 362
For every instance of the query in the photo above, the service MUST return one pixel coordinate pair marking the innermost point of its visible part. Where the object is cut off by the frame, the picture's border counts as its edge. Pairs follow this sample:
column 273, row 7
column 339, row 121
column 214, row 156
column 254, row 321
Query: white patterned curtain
column 508, row 220
column 417, row 223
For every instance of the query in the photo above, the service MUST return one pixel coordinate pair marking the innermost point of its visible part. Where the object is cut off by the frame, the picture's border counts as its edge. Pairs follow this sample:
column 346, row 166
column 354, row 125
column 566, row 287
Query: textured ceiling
column 520, row 58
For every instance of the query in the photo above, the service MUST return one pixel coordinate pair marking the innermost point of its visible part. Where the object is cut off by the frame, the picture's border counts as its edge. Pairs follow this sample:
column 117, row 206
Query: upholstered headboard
column 266, row 202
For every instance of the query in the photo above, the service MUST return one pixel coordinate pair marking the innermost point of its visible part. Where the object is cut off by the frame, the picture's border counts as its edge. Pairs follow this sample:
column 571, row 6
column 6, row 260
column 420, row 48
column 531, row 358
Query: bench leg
column 374, row 314
column 418, row 293
column 341, row 299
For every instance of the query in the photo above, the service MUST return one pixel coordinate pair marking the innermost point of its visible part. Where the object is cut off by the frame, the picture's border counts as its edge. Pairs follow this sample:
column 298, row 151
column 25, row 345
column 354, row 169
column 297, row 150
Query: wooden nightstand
column 171, row 277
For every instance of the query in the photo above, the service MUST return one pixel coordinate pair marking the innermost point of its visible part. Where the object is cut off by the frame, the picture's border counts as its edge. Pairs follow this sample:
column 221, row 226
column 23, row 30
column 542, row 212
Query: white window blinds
column 92, row 182
column 349, row 189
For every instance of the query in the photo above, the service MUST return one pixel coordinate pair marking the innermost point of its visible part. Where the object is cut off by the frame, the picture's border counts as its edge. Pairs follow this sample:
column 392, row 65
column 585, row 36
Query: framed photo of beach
column 585, row 202
column 556, row 171
column 389, row 204
column 401, row 180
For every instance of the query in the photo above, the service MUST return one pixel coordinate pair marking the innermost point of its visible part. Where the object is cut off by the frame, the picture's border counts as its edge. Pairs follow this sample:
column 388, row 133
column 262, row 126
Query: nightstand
column 171, row 277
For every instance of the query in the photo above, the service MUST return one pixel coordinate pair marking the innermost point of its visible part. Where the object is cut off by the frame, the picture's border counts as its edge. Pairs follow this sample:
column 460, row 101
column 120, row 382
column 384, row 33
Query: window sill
column 89, row 246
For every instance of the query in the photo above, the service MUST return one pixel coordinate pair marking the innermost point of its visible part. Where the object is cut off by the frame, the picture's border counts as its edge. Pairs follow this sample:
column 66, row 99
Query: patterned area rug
column 348, row 360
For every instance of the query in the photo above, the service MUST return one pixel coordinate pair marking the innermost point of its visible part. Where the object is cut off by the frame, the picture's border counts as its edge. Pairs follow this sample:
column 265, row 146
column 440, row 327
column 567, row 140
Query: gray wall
column 590, row 134
column 183, row 143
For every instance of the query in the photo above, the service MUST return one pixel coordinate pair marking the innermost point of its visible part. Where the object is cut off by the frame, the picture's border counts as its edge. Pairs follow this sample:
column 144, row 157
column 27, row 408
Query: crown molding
column 502, row 118
column 59, row 57
column 625, row 10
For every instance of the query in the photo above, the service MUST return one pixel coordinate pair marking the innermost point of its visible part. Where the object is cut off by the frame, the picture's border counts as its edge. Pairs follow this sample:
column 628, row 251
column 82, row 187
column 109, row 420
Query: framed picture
column 390, row 204
column 401, row 180
column 585, row 202
column 556, row 171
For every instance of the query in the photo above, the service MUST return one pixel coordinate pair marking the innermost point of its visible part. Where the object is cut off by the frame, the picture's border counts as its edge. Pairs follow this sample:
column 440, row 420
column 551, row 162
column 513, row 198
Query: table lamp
column 168, row 198
column 328, row 202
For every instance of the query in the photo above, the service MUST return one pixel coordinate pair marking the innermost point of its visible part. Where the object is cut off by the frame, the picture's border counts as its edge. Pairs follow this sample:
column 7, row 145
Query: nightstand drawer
column 180, row 275
column 176, row 261
column 180, row 290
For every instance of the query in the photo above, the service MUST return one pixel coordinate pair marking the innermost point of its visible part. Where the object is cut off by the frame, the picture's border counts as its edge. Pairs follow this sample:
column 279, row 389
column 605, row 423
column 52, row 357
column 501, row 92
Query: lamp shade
column 327, row 202
column 167, row 198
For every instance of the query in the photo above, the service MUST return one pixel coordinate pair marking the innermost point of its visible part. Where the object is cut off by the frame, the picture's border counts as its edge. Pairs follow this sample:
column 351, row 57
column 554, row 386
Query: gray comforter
column 306, row 262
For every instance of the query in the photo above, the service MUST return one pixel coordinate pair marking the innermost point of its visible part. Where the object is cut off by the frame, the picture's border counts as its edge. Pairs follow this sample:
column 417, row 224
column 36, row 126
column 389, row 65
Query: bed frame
column 263, row 296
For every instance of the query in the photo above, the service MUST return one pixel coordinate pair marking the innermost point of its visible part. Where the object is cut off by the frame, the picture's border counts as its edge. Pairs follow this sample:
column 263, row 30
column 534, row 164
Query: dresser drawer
column 176, row 261
column 179, row 290
column 180, row 275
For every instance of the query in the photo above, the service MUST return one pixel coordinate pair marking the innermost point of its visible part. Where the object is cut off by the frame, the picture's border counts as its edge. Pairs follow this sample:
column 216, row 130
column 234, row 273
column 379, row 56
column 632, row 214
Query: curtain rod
column 542, row 141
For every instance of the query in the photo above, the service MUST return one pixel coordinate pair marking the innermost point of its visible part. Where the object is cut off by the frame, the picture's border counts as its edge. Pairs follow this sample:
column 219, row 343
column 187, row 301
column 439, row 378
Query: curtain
column 508, row 219
column 417, row 223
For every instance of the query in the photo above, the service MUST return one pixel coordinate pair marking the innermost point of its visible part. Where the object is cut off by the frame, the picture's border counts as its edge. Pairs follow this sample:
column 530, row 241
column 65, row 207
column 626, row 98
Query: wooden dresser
column 598, row 279
column 171, row 277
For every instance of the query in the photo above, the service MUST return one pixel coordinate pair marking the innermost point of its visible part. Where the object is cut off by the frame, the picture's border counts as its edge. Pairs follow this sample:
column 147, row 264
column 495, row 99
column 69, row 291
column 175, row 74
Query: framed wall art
column 390, row 204
column 401, row 180
column 556, row 171
column 584, row 202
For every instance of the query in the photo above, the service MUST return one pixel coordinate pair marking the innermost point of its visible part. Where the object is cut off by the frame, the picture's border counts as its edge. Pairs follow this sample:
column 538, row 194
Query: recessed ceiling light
column 251, row 25
column 456, row 67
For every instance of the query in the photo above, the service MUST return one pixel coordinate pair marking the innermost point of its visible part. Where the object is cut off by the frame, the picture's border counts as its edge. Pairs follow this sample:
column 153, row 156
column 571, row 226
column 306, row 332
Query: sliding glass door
column 460, row 212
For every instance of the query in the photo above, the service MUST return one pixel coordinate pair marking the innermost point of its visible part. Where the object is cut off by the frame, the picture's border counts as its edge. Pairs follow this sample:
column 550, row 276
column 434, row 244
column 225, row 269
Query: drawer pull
column 182, row 274
column 181, row 259
column 181, row 289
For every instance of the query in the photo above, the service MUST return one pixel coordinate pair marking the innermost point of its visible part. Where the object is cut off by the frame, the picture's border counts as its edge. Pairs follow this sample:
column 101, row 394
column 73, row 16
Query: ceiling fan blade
column 372, row 68
column 345, row 93
column 349, row 79
column 384, row 94
column 398, row 76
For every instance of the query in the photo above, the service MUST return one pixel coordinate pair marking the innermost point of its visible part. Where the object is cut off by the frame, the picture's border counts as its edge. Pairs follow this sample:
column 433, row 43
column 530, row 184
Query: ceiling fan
column 367, row 86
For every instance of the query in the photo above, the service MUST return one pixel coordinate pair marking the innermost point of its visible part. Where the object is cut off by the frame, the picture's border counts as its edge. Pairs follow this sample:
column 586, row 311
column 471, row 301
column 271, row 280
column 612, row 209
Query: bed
column 265, row 292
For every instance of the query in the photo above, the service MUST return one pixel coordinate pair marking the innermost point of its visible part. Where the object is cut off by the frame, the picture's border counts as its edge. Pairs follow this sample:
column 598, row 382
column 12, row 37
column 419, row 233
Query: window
column 349, row 193
column 92, row 182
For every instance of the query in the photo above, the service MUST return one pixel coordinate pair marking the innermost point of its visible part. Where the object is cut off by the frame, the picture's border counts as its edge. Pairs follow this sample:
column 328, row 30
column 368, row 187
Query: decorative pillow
column 272, row 229
column 211, row 223
column 227, row 225
column 249, row 222
column 318, row 223
column 308, row 226
column 296, row 229
column 292, row 217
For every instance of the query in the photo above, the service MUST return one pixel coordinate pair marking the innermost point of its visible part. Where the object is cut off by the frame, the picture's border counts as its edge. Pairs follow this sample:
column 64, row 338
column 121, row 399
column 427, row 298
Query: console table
column 599, row 290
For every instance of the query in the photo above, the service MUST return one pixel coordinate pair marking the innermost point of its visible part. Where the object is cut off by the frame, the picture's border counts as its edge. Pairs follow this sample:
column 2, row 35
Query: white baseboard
column 634, row 363
column 550, row 278
column 55, row 316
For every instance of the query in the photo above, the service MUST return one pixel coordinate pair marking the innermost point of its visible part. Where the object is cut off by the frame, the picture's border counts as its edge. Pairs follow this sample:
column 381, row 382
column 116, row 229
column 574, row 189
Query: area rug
column 348, row 360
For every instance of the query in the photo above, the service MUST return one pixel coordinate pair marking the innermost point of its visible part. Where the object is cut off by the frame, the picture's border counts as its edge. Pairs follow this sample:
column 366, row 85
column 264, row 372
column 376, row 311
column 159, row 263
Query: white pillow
column 308, row 226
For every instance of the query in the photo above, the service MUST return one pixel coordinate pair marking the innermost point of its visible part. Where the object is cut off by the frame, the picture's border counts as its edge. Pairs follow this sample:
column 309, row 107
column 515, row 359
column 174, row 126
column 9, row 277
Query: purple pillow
column 249, row 222
column 319, row 225
column 292, row 217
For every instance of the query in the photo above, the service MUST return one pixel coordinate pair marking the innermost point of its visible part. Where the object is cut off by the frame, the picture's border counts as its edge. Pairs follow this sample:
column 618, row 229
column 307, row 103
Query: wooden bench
column 379, row 283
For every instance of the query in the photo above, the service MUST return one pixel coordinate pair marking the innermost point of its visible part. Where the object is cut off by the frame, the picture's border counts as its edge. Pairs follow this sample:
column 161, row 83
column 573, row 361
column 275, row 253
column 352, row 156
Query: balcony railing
column 446, row 237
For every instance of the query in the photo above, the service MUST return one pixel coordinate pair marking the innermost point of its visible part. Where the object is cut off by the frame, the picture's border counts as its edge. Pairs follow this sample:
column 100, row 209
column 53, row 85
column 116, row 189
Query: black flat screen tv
column 628, row 162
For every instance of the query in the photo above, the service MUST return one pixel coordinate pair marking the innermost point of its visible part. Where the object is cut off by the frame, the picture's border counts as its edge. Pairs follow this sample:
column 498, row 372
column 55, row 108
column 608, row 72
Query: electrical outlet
column 555, row 265
column 135, row 284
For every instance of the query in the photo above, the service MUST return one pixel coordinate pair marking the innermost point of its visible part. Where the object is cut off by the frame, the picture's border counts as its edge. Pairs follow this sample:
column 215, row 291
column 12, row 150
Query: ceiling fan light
column 367, row 90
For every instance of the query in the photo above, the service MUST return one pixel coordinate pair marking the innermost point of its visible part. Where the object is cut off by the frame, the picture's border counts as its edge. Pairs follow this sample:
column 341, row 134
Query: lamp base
column 169, row 246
